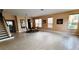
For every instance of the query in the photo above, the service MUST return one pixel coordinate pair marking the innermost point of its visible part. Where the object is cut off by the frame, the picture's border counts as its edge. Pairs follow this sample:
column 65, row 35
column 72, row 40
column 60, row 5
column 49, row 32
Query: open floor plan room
column 39, row 29
column 41, row 41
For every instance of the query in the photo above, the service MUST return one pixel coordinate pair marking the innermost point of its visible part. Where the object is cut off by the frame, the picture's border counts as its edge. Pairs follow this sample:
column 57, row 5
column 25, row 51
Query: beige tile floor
column 41, row 41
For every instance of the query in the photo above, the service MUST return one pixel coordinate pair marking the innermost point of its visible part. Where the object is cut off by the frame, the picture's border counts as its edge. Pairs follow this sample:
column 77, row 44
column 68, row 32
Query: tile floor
column 41, row 41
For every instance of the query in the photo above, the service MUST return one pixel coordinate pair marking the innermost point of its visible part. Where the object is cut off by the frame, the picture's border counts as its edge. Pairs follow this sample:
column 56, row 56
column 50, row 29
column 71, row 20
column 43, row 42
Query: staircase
column 3, row 32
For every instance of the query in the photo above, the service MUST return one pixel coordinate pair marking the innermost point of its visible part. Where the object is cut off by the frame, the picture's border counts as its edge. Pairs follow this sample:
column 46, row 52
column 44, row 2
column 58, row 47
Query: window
column 73, row 21
column 9, row 23
column 38, row 22
column 50, row 22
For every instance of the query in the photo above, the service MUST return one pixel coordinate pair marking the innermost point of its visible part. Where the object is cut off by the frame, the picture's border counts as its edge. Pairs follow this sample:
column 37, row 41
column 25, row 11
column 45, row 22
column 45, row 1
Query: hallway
column 41, row 41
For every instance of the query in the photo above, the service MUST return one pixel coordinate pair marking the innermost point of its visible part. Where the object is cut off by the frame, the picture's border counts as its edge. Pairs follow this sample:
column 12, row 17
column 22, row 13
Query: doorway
column 29, row 24
column 11, row 25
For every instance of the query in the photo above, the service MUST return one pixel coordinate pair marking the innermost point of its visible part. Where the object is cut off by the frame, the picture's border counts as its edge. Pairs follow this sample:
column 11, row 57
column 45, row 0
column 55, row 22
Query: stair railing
column 7, row 28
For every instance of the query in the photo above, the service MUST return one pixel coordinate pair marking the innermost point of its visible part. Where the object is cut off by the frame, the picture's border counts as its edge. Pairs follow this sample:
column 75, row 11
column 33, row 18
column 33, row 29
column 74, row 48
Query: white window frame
column 73, row 19
column 50, row 22
column 38, row 22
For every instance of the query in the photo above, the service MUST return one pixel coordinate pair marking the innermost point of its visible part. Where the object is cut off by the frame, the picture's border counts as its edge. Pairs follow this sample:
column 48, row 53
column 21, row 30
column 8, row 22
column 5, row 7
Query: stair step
column 1, row 25
column 2, row 31
column 4, row 37
column 9, row 38
column 2, row 28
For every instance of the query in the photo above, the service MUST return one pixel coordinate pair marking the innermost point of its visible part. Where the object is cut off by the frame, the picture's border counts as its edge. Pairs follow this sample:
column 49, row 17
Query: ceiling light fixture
column 42, row 9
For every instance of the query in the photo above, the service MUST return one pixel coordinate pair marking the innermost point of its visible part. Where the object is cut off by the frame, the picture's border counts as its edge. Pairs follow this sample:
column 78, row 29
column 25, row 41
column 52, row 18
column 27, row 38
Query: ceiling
column 34, row 12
